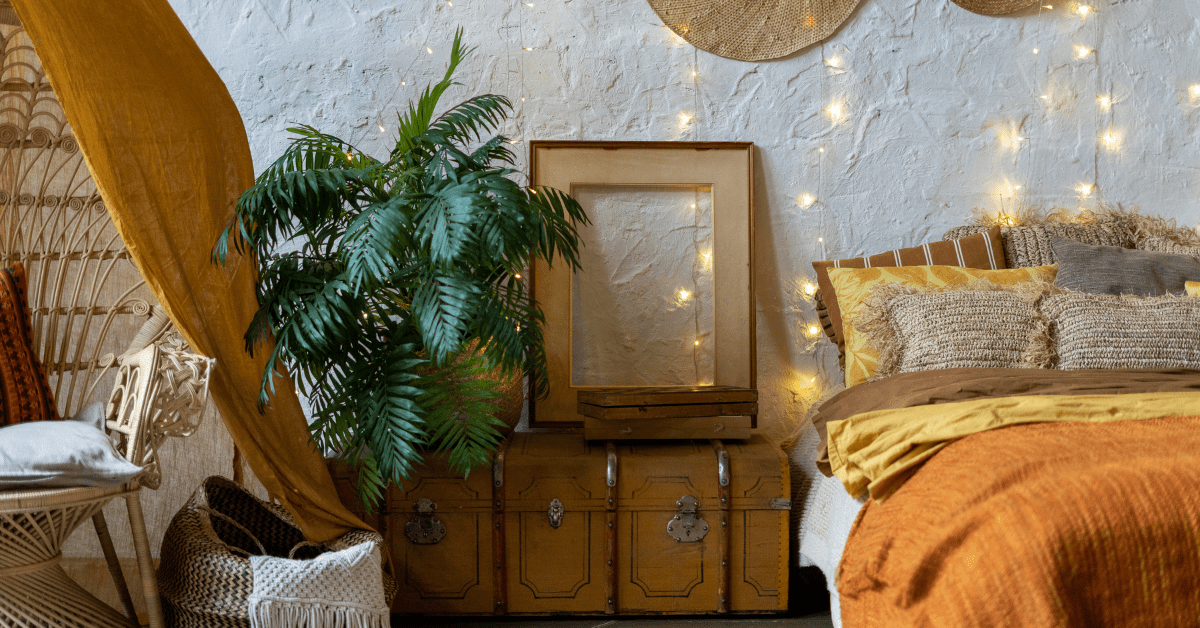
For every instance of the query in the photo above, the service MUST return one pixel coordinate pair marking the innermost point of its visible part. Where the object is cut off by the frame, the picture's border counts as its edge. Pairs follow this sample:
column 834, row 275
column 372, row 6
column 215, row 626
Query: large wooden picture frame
column 727, row 169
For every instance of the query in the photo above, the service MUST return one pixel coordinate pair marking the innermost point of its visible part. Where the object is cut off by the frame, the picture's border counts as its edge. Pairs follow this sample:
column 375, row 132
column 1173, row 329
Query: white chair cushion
column 58, row 454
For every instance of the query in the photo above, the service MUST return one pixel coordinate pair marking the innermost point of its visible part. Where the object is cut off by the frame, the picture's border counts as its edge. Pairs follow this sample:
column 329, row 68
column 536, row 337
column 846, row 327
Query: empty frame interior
column 664, row 295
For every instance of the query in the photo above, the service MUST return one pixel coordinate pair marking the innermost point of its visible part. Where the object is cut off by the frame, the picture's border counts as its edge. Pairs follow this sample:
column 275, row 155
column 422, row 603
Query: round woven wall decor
column 995, row 7
column 753, row 30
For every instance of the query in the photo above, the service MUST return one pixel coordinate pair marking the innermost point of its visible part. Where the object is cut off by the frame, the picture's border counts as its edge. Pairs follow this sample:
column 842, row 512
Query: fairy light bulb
column 1035, row 51
column 684, row 295
column 684, row 119
column 809, row 288
column 381, row 129
column 1085, row 189
column 1083, row 10
column 805, row 201
column 813, row 329
column 835, row 112
column 428, row 50
column 527, row 48
column 834, row 62
column 1105, row 102
column 1110, row 139
column 517, row 276
column 821, row 149
column 1082, row 51
column 1195, row 90
column 697, row 343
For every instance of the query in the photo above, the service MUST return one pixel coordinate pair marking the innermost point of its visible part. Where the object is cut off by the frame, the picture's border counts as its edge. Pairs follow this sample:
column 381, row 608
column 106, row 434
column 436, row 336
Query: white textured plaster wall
column 933, row 97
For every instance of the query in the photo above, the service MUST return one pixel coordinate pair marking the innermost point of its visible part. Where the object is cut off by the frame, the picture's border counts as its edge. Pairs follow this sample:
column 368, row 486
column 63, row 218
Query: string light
column 813, row 330
column 821, row 149
column 697, row 343
column 1085, row 189
column 1035, row 51
column 693, row 206
column 805, row 201
column 684, row 119
column 1083, row 10
column 529, row 48
column 404, row 82
column 1105, row 102
column 428, row 50
column 517, row 276
column 1082, row 51
column 1195, row 90
column 684, row 295
column 835, row 112
column 1047, row 6
column 381, row 129
column 834, row 62
column 1110, row 139
column 809, row 288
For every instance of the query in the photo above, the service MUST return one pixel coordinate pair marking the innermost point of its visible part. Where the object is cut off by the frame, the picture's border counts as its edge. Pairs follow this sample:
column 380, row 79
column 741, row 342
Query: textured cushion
column 1192, row 288
column 853, row 286
column 982, row 326
column 1093, row 331
column 1030, row 245
column 23, row 384
column 981, row 250
column 1166, row 245
column 1116, row 270
column 53, row 454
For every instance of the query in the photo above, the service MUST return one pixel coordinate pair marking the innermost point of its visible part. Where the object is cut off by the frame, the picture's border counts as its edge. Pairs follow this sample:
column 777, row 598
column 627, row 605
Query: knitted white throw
column 334, row 590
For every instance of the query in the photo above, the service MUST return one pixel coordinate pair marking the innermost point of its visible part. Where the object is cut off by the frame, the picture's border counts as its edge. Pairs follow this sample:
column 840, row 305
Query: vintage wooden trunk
column 564, row 525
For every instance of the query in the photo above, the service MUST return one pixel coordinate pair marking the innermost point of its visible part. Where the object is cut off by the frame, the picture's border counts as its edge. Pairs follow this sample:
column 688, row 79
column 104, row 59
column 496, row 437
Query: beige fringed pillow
column 1030, row 245
column 1094, row 331
column 980, row 325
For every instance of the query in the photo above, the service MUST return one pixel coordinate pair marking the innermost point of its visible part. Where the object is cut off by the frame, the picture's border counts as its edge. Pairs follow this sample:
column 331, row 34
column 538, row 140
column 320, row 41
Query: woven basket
column 204, row 575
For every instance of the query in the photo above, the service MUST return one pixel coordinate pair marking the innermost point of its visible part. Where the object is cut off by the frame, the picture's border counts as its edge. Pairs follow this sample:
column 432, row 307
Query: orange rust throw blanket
column 1048, row 524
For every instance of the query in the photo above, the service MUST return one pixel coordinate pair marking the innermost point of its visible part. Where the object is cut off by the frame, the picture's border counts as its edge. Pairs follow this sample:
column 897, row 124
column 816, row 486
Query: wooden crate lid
column 666, row 396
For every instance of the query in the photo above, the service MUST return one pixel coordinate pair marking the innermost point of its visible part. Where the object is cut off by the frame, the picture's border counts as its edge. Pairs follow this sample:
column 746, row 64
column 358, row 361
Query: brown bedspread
column 923, row 388
column 1049, row 524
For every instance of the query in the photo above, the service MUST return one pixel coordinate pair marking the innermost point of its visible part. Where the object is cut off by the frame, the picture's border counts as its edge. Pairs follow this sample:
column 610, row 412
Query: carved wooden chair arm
column 161, row 390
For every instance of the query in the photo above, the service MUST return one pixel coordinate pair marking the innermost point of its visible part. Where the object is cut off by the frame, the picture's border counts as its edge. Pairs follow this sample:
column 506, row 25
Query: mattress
column 823, row 518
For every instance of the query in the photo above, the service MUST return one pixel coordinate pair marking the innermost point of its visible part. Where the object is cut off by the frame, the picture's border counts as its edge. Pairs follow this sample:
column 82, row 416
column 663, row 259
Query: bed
column 1044, row 480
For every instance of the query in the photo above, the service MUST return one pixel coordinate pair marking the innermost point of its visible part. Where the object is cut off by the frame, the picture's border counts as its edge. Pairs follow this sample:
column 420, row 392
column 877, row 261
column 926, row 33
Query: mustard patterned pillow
column 854, row 285
column 1192, row 287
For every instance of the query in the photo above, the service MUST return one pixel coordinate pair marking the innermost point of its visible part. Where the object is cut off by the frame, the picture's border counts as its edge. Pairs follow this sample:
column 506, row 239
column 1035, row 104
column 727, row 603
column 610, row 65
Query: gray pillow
column 56, row 454
column 1114, row 270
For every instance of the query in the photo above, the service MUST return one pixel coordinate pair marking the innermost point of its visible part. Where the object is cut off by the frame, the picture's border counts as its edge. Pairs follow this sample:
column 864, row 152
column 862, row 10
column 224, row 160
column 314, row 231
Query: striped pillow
column 981, row 250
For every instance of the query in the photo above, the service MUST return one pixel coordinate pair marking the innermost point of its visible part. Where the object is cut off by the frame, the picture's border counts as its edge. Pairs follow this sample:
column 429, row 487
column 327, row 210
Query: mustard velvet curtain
column 169, row 154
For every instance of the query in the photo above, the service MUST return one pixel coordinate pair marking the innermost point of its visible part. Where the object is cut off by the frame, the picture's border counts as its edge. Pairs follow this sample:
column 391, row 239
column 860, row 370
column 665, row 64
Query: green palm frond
column 390, row 285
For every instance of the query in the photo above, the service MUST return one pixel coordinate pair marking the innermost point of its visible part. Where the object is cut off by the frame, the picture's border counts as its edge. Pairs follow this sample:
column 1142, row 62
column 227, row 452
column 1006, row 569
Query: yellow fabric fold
column 167, row 149
column 874, row 452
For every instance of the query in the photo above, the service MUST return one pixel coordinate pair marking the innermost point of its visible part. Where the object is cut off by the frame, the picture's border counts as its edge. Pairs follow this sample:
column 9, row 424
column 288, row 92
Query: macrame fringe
column 1130, row 221
column 270, row 613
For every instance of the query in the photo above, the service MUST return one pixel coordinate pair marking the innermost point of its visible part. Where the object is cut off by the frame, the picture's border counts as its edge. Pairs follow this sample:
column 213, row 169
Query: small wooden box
column 668, row 412
column 562, row 525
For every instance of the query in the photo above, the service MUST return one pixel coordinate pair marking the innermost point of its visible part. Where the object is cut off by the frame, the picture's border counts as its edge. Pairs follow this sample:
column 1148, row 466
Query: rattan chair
column 96, row 328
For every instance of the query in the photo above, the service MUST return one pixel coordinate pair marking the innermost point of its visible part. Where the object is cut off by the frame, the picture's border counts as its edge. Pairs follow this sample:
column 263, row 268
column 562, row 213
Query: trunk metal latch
column 555, row 513
column 425, row 529
column 687, row 526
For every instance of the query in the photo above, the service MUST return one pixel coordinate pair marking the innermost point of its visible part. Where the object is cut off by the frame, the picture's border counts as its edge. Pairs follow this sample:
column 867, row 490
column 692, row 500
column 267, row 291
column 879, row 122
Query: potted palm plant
column 393, row 285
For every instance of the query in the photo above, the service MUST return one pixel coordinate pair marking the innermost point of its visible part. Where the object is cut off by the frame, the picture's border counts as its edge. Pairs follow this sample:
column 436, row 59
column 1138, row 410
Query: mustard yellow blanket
column 874, row 452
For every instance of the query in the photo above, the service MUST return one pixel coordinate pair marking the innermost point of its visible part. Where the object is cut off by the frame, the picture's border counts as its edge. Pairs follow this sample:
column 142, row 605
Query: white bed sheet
column 822, row 516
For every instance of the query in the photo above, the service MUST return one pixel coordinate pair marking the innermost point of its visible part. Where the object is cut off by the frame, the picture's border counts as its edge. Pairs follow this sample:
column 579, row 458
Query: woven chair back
column 87, row 298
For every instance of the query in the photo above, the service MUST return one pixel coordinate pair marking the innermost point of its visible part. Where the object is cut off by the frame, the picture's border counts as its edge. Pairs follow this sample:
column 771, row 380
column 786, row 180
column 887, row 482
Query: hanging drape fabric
column 168, row 152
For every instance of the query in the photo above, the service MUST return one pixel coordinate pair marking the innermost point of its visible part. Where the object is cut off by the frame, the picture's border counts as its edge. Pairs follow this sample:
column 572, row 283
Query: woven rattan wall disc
column 753, row 30
column 995, row 7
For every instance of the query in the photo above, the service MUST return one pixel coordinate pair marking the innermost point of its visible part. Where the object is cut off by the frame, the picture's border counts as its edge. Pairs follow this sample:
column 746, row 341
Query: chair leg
column 141, row 544
column 114, row 565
